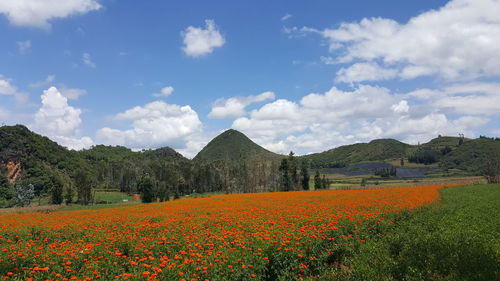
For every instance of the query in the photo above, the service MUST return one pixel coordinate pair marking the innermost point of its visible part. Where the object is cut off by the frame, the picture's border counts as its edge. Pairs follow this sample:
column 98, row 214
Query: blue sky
column 293, row 75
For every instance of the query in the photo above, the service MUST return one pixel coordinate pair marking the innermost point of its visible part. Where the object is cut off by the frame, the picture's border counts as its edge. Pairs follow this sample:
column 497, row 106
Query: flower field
column 265, row 236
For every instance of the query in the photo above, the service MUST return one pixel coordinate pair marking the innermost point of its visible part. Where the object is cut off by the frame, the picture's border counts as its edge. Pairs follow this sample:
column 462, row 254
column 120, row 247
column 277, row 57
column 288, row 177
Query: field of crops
column 266, row 236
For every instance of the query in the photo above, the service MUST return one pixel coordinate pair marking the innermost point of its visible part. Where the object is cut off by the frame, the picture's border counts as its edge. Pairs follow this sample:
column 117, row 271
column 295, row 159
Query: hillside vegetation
column 233, row 145
column 376, row 150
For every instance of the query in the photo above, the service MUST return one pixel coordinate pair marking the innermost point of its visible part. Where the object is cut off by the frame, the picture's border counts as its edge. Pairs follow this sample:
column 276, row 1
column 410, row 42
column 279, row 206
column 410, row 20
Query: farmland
column 265, row 236
column 457, row 239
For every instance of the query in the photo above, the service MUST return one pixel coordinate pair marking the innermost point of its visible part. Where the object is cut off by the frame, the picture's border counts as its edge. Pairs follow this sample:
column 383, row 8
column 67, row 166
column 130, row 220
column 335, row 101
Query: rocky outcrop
column 13, row 169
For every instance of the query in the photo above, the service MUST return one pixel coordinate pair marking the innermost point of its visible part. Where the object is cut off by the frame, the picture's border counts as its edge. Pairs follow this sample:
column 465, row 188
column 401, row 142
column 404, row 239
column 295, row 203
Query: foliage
column 492, row 170
column 286, row 181
column 69, row 194
column 232, row 145
column 84, row 184
column 471, row 155
column 5, row 188
column 318, row 184
column 425, row 156
column 146, row 188
column 457, row 240
column 24, row 194
column 304, row 174
column 386, row 173
column 375, row 150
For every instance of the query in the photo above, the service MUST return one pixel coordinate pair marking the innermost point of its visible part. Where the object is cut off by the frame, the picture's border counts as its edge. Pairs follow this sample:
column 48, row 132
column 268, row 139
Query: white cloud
column 285, row 17
column 24, row 47
column 165, row 92
column 43, row 83
column 36, row 13
column 235, row 107
column 474, row 98
column 199, row 41
column 458, row 41
column 60, row 121
column 323, row 121
column 401, row 107
column 87, row 60
column 6, row 88
column 72, row 93
column 364, row 72
column 154, row 125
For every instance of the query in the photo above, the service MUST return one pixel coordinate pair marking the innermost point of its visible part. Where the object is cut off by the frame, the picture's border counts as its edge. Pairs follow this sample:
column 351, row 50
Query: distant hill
column 233, row 145
column 31, row 158
column 472, row 155
column 376, row 150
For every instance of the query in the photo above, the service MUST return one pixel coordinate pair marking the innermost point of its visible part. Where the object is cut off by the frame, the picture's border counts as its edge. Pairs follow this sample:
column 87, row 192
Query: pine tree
column 286, row 182
column 324, row 182
column 69, row 193
column 317, row 181
column 84, row 183
column 304, row 173
column 146, row 187
column 294, row 176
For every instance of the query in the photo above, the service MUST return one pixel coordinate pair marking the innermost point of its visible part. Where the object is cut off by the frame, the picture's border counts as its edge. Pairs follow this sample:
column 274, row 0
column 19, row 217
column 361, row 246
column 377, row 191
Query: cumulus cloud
column 458, row 41
column 154, row 125
column 321, row 121
column 87, row 60
column 60, row 121
column 199, row 41
column 235, row 107
column 36, row 13
column 165, row 92
column 364, row 72
column 24, row 47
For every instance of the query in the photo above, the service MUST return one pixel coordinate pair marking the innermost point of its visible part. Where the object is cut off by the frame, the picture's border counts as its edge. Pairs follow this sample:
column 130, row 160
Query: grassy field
column 457, row 239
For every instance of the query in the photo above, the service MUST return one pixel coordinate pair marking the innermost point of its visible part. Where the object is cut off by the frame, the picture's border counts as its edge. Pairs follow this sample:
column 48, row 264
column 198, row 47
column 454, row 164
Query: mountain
column 27, row 157
column 233, row 145
column 376, row 150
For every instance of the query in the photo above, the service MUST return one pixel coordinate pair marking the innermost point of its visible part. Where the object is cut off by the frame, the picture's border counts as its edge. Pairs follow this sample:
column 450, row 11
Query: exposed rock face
column 14, row 170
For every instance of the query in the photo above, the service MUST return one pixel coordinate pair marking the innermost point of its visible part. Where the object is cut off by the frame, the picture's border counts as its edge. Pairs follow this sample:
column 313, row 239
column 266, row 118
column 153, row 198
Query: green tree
column 286, row 182
column 69, row 193
column 294, row 175
column 5, row 188
column 84, row 183
column 146, row 188
column 57, row 194
column 363, row 182
column 324, row 182
column 317, row 181
column 24, row 194
column 304, row 173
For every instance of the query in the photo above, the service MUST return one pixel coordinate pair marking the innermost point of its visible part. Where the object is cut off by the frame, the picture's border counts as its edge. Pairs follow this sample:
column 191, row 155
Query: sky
column 305, row 76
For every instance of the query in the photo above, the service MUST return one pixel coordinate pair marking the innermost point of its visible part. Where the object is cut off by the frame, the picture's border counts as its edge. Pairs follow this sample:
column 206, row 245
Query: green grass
column 104, row 197
column 458, row 239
